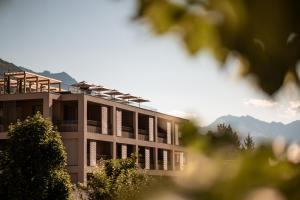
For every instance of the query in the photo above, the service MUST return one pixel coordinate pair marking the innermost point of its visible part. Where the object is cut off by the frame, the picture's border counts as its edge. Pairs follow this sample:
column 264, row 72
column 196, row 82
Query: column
column 24, row 86
column 104, row 121
column 176, row 134
column 124, row 151
column 137, row 154
column 119, row 123
column 151, row 129
column 155, row 129
column 181, row 160
column 169, row 130
column 82, row 139
column 147, row 158
column 156, row 158
column 136, row 125
column 165, row 159
column 114, row 150
column 93, row 154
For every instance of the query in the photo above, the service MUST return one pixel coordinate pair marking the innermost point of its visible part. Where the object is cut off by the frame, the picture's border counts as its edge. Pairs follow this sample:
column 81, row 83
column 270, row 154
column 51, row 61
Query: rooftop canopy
column 27, row 82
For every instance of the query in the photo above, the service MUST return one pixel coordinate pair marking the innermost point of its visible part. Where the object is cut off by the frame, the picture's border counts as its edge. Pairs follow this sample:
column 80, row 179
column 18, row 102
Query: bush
column 117, row 180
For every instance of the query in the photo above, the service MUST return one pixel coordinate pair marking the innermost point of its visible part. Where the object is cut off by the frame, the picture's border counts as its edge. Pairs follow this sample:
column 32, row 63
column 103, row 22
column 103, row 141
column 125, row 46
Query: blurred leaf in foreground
column 263, row 35
column 270, row 171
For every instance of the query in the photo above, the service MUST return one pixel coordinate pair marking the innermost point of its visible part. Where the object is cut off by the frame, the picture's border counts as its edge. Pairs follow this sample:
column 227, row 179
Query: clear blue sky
column 96, row 41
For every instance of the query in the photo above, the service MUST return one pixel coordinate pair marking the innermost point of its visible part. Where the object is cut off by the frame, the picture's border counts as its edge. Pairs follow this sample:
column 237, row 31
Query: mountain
column 66, row 79
column 259, row 130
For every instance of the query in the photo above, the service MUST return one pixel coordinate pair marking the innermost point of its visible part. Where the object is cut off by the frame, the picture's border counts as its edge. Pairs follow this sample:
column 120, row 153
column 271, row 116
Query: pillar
column 181, row 160
column 169, row 130
column 176, row 134
column 37, row 84
column 136, row 125
column 104, row 123
column 165, row 159
column 24, row 86
column 119, row 123
column 114, row 150
column 93, row 153
column 124, row 151
column 151, row 129
column 147, row 158
column 155, row 158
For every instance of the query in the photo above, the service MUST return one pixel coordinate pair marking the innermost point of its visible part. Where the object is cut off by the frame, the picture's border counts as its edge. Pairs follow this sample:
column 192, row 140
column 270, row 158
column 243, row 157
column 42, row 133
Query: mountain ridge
column 258, row 129
column 66, row 79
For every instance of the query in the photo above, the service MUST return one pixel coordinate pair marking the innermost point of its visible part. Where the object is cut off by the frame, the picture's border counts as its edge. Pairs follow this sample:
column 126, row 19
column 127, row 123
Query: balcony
column 143, row 135
column 94, row 126
column 66, row 125
column 127, row 132
column 162, row 138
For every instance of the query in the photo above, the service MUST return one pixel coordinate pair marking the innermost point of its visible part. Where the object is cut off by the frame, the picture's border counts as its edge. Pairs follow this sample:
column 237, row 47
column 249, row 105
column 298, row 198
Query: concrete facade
column 94, row 128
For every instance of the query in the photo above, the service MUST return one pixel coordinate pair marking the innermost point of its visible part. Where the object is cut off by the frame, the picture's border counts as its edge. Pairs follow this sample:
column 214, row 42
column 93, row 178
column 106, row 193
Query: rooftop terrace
column 27, row 82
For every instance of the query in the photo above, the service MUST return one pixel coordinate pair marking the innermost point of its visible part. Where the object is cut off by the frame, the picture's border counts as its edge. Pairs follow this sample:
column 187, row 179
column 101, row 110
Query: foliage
column 270, row 171
column 248, row 143
column 33, row 162
column 117, row 179
column 263, row 35
column 224, row 136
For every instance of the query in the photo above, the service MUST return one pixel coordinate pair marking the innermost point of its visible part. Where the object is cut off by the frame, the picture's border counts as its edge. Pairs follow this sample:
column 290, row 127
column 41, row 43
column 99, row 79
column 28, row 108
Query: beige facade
column 94, row 128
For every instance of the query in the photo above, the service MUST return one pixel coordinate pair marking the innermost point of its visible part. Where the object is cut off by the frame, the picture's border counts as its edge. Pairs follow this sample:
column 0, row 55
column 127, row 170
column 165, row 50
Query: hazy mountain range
column 63, row 76
column 259, row 130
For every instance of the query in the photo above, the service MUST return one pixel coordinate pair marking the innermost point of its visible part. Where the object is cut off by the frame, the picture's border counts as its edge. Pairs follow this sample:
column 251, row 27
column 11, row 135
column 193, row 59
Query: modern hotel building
column 95, row 123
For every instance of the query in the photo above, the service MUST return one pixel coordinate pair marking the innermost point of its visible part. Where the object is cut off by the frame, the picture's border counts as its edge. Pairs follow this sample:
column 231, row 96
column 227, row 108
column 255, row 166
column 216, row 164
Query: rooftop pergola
column 27, row 82
column 112, row 94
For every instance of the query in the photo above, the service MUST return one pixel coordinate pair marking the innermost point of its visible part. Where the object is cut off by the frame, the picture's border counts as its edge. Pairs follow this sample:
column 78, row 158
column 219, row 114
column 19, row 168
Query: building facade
column 94, row 129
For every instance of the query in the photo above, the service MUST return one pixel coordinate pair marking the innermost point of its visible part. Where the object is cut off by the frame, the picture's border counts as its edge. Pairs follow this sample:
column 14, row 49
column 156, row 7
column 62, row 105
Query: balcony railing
column 93, row 126
column 143, row 137
column 127, row 132
column 66, row 125
column 162, row 140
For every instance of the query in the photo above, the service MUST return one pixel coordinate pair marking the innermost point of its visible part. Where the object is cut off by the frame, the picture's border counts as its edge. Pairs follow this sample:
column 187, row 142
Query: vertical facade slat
column 93, row 154
column 119, row 123
column 181, row 160
column 124, row 151
column 169, row 130
column 176, row 134
column 104, row 121
column 147, row 158
column 151, row 129
column 165, row 159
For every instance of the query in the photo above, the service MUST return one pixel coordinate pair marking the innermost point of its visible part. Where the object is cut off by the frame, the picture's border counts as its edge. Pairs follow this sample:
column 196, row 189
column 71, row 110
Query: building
column 95, row 123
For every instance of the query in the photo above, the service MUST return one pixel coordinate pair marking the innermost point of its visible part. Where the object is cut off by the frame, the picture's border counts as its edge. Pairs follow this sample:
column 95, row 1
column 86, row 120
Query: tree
column 248, row 143
column 262, row 35
column 224, row 136
column 117, row 180
column 33, row 162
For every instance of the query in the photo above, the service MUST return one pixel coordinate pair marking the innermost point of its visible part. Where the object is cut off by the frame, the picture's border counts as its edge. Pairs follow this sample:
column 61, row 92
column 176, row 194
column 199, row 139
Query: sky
column 97, row 41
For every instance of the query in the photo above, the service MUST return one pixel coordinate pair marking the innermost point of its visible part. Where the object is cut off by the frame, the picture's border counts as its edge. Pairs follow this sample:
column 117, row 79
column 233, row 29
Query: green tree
column 224, row 136
column 33, row 162
column 117, row 180
column 262, row 35
column 248, row 143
